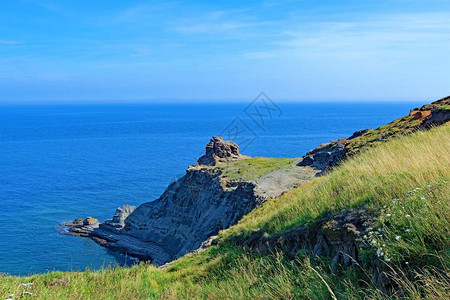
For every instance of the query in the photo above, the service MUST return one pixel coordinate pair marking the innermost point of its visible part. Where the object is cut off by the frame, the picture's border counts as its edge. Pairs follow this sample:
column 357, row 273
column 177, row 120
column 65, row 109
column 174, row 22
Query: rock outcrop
column 325, row 156
column 339, row 236
column 218, row 150
column 81, row 227
column 118, row 221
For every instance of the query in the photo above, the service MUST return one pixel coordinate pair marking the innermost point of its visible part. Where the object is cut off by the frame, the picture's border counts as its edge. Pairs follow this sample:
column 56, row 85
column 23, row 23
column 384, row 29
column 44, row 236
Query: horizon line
column 209, row 101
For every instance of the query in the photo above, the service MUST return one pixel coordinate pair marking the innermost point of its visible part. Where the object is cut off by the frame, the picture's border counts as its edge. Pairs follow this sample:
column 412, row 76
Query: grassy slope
column 401, row 126
column 374, row 178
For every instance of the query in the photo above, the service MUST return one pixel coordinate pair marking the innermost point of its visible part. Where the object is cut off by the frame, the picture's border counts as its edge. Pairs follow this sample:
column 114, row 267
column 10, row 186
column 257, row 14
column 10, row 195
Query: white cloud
column 9, row 42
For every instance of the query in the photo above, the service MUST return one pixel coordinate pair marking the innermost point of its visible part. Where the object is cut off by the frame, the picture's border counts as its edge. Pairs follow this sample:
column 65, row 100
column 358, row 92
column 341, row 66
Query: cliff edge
column 214, row 194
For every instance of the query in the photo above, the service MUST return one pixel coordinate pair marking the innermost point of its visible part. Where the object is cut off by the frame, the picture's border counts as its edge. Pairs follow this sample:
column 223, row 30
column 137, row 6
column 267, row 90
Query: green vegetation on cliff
column 254, row 167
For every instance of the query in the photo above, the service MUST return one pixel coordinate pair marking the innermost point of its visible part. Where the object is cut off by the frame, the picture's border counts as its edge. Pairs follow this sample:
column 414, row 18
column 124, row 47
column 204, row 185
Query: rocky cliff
column 195, row 207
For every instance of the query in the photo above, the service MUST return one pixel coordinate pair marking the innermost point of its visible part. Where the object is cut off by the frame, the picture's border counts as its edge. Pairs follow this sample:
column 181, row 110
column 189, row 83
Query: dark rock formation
column 118, row 220
column 81, row 227
column 325, row 156
column 338, row 236
column 437, row 117
column 218, row 150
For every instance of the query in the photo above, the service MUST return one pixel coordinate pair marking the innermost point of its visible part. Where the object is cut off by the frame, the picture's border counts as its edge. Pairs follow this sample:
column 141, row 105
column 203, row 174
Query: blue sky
column 223, row 50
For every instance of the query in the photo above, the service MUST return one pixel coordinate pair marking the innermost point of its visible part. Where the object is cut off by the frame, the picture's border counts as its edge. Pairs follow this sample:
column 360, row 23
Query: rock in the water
column 218, row 150
column 90, row 221
column 81, row 227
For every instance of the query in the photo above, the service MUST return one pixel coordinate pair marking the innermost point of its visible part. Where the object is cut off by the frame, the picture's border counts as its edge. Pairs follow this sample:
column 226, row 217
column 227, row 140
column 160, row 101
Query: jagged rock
column 118, row 220
column 437, row 117
column 325, row 156
column 358, row 133
column 81, row 227
column 218, row 150
column 90, row 221
column 336, row 235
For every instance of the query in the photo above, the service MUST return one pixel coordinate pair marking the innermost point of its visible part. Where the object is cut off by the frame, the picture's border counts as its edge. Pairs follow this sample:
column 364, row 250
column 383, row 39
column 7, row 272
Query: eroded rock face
column 339, row 236
column 118, row 220
column 325, row 156
column 218, row 150
column 437, row 117
column 191, row 210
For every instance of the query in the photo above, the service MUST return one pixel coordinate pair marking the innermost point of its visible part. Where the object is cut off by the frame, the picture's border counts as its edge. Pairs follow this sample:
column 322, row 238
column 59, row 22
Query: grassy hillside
column 403, row 182
column 405, row 125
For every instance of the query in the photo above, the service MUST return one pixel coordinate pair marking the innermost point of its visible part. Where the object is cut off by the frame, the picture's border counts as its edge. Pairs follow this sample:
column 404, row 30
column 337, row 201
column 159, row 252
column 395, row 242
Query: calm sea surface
column 60, row 162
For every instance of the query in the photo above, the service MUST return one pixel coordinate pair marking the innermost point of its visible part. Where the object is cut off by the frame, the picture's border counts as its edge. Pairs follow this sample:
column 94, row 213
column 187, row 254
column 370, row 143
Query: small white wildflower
column 365, row 237
column 384, row 206
column 27, row 284
column 422, row 198
column 384, row 245
column 407, row 216
column 406, row 263
column 408, row 195
column 408, row 230
column 381, row 254
column 379, row 251
column 388, row 215
column 387, row 259
column 398, row 237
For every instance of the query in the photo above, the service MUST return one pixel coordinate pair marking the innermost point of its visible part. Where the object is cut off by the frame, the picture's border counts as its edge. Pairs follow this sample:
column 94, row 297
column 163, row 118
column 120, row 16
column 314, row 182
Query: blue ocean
column 61, row 162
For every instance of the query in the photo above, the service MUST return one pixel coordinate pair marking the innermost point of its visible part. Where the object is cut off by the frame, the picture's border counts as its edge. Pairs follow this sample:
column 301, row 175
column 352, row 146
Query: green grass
column 377, row 136
column 413, row 169
column 444, row 107
column 254, row 167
